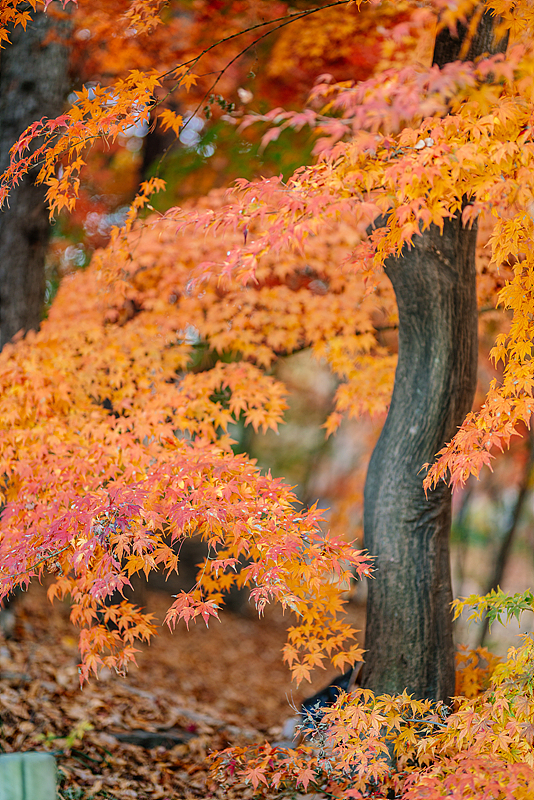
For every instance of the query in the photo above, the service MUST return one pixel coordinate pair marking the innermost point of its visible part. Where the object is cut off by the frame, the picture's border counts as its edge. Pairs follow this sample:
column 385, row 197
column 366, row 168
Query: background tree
column 33, row 83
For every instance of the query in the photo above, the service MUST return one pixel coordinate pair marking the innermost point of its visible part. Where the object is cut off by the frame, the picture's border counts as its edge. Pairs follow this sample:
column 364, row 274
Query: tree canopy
column 116, row 445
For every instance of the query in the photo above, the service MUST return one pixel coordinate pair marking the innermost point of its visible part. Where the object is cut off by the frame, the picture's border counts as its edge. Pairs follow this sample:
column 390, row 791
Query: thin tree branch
column 286, row 20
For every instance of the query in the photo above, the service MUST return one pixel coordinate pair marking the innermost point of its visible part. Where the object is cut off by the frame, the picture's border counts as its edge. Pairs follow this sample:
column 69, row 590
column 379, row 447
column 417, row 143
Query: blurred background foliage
column 493, row 528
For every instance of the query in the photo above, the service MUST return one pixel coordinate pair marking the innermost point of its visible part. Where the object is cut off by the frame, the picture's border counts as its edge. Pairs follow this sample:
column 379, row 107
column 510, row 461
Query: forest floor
column 192, row 693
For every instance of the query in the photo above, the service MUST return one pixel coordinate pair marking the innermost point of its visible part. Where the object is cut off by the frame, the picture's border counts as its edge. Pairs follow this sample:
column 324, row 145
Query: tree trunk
column 33, row 84
column 409, row 627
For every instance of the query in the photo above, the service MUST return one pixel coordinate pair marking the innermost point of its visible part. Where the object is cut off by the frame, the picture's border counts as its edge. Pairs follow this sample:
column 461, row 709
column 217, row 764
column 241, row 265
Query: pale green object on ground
column 27, row 776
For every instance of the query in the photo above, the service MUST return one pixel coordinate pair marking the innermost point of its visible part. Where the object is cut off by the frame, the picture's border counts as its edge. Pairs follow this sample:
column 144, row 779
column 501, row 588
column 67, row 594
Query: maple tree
column 113, row 450
column 263, row 411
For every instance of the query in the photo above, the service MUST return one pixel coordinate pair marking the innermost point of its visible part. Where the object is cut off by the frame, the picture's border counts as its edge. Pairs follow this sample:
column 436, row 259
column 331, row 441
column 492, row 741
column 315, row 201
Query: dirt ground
column 192, row 693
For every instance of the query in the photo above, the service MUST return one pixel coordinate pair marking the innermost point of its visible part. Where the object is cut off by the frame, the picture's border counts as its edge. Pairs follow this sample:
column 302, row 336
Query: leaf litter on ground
column 149, row 734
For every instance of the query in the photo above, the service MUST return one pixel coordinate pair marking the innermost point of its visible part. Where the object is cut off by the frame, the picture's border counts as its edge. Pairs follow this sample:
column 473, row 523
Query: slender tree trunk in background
column 33, row 84
column 505, row 545
column 409, row 627
column 155, row 145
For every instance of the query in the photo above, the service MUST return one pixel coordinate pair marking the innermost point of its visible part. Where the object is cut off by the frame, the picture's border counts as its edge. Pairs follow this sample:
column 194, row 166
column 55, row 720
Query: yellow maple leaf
column 170, row 120
column 188, row 81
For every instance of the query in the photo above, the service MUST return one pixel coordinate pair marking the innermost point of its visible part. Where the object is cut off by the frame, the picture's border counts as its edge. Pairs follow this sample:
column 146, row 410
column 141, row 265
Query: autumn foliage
column 138, row 492
column 116, row 417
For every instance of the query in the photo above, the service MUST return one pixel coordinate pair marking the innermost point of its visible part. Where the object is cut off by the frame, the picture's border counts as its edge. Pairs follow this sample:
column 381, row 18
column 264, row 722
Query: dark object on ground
column 312, row 709
column 148, row 739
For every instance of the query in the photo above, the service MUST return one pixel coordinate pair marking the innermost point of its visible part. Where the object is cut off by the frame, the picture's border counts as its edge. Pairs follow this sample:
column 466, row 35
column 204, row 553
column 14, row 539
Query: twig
column 34, row 566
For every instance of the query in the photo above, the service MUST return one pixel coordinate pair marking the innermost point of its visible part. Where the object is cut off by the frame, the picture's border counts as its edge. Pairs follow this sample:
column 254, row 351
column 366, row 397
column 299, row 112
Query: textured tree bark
column 409, row 628
column 33, row 84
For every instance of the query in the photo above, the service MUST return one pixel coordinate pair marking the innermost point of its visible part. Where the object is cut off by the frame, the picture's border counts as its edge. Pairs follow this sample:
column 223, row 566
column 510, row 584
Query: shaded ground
column 194, row 692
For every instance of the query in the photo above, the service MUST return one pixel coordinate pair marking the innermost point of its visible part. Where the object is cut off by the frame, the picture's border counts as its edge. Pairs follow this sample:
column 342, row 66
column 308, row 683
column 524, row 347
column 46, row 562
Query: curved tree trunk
column 409, row 627
column 33, row 84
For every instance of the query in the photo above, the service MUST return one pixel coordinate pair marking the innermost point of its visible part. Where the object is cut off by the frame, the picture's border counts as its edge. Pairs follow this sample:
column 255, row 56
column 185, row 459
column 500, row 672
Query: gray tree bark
column 33, row 83
column 409, row 627
column 408, row 637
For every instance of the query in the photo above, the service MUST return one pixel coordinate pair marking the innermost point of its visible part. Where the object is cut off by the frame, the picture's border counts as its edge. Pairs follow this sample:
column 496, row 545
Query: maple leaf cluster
column 105, row 384
column 475, row 160
column 376, row 746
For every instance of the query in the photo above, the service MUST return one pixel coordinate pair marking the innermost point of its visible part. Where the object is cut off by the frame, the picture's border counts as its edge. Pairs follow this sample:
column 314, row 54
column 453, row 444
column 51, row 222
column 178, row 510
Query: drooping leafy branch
column 105, row 383
column 476, row 159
